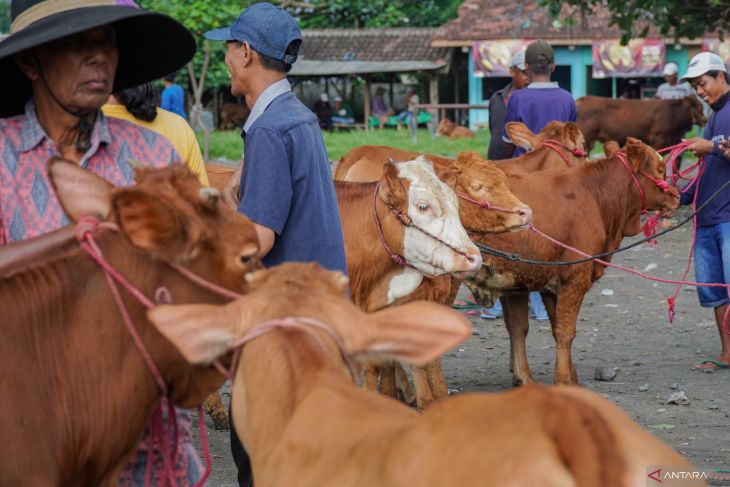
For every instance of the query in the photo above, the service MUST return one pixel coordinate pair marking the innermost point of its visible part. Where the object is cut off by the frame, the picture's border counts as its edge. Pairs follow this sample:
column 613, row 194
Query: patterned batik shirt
column 28, row 203
column 29, row 207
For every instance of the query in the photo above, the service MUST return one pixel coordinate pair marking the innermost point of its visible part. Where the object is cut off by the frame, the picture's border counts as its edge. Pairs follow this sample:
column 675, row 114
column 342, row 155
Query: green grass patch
column 228, row 144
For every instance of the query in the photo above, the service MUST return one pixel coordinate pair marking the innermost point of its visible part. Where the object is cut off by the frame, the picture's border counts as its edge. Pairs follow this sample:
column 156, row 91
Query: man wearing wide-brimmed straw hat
column 59, row 65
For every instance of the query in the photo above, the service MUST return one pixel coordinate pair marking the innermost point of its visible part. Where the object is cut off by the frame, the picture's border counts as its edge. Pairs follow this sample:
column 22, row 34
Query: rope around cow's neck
column 561, row 149
column 86, row 228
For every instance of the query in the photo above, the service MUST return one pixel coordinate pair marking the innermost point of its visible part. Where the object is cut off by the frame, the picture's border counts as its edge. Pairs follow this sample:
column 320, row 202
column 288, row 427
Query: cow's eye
column 422, row 207
column 477, row 187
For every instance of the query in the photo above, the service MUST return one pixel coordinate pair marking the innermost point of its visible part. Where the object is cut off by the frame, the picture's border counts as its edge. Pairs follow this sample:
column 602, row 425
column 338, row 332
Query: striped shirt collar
column 264, row 100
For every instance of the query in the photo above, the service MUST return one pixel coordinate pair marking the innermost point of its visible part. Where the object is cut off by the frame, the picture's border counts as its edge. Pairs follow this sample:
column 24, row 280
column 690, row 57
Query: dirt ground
column 626, row 330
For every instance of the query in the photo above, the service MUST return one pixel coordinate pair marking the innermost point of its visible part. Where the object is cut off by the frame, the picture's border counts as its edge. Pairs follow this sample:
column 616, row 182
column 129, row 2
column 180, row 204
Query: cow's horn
column 136, row 164
column 209, row 196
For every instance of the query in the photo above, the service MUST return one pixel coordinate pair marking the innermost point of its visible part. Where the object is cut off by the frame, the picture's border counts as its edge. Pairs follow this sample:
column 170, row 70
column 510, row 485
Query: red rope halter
column 562, row 150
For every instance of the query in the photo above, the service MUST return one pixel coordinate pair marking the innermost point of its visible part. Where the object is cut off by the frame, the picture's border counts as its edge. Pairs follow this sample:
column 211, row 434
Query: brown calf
column 448, row 128
column 591, row 208
column 305, row 422
column 233, row 115
column 76, row 393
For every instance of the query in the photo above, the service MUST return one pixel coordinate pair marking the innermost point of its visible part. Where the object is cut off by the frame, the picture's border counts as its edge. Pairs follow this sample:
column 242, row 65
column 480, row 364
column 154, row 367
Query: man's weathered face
column 520, row 79
column 671, row 79
column 710, row 88
column 79, row 69
column 237, row 55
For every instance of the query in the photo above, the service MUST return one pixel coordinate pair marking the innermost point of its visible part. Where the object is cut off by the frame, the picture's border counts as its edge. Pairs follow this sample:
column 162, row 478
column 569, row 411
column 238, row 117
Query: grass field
column 228, row 144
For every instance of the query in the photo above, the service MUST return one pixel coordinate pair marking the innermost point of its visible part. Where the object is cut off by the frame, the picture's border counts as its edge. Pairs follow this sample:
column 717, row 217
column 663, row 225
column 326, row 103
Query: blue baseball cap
column 267, row 28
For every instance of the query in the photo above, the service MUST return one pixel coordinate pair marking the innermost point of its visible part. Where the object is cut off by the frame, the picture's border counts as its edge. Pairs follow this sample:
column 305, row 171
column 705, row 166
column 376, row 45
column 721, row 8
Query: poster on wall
column 641, row 57
column 721, row 48
column 491, row 58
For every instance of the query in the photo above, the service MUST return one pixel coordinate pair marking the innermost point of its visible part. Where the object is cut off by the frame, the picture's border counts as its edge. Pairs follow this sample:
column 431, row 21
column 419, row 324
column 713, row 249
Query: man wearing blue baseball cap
column 286, row 185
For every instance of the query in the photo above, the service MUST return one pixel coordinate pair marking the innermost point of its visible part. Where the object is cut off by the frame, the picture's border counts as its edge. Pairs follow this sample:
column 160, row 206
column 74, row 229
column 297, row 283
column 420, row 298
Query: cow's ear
column 80, row 191
column 149, row 222
column 201, row 332
column 610, row 147
column 636, row 153
column 450, row 177
column 574, row 137
column 521, row 135
column 391, row 191
column 416, row 332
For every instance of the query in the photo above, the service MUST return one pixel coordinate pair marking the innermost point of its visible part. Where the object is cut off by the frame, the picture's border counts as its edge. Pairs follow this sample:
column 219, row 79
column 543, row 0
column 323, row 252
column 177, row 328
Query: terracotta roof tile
column 520, row 19
column 386, row 44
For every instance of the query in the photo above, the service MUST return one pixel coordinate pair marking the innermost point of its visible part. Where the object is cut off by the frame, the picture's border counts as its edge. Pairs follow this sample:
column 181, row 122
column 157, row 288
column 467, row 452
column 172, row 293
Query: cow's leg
column 371, row 373
column 407, row 392
column 387, row 380
column 213, row 405
column 424, row 396
column 515, row 308
column 568, row 305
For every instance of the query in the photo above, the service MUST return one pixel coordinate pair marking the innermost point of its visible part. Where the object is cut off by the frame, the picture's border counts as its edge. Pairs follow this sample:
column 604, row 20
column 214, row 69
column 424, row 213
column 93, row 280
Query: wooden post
column 433, row 93
column 366, row 102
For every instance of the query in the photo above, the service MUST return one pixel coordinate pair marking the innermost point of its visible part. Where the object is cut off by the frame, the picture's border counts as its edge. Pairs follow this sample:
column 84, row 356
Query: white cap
column 518, row 60
column 324, row 97
column 338, row 98
column 670, row 69
column 701, row 64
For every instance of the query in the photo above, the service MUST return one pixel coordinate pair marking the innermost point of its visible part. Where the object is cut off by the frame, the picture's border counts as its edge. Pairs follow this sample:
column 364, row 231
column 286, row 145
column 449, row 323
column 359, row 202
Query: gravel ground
column 626, row 331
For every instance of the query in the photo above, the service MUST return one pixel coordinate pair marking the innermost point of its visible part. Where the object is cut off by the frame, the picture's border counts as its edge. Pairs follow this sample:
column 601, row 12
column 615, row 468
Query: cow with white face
column 400, row 229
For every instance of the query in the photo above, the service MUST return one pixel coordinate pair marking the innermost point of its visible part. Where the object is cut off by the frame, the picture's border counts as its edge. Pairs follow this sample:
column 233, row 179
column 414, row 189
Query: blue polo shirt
column 286, row 182
column 717, row 169
column 538, row 105
column 173, row 100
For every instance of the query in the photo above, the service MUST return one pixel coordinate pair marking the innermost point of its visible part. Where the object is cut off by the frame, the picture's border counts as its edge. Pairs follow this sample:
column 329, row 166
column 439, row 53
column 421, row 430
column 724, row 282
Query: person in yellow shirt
column 139, row 106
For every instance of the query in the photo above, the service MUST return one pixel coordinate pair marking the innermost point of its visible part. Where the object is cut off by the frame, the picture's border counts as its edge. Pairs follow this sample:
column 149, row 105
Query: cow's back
column 365, row 163
column 657, row 122
column 218, row 175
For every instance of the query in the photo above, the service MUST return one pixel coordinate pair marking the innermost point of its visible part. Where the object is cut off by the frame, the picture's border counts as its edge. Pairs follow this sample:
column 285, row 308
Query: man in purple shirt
column 543, row 100
column 536, row 106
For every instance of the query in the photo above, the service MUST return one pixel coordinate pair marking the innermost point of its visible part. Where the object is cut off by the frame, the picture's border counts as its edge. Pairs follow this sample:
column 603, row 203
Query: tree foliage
column 4, row 15
column 674, row 18
column 200, row 16
column 372, row 13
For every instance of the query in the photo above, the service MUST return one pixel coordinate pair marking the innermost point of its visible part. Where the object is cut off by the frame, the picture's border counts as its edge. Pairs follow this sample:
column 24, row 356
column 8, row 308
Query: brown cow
column 448, row 128
column 306, row 423
column 363, row 161
column 590, row 208
column 233, row 115
column 659, row 123
column 76, row 392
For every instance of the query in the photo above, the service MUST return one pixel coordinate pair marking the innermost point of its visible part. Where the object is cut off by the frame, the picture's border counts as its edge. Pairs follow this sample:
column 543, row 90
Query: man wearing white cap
column 708, row 76
column 498, row 106
column 671, row 90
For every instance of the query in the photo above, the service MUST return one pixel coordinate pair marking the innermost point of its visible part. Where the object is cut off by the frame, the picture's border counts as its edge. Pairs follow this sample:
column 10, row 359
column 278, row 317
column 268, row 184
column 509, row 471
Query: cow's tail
column 584, row 441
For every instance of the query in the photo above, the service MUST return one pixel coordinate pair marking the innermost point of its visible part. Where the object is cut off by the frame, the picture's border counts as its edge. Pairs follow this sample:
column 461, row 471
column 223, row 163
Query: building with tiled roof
column 335, row 52
column 572, row 35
